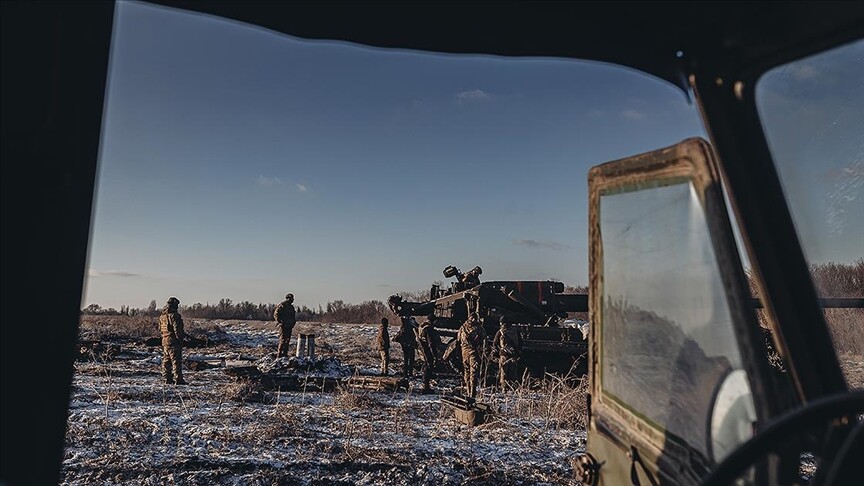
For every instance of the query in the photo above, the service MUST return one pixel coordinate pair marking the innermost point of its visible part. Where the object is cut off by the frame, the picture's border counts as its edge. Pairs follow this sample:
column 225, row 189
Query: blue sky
column 240, row 163
column 813, row 114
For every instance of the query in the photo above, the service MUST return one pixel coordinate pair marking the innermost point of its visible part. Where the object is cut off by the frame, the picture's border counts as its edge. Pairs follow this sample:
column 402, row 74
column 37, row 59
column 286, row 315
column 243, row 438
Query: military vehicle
column 681, row 385
column 696, row 425
column 536, row 309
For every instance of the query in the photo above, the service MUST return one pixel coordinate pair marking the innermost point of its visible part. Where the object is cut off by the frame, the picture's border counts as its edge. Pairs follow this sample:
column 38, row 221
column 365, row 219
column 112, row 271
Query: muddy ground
column 127, row 427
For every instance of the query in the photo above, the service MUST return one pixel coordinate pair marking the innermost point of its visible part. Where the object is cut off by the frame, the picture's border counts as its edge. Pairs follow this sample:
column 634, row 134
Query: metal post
column 310, row 341
column 301, row 345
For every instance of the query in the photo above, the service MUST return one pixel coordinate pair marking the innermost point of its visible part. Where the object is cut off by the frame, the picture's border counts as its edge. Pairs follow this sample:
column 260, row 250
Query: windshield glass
column 667, row 332
column 813, row 115
column 238, row 165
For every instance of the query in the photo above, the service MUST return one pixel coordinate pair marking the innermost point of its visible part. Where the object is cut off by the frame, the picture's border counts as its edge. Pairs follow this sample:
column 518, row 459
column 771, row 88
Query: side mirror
column 732, row 415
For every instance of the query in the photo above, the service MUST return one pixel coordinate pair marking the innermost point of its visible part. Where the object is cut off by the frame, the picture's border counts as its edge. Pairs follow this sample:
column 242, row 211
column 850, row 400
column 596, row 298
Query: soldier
column 428, row 341
column 471, row 278
column 285, row 317
column 171, row 328
column 508, row 342
column 406, row 338
column 384, row 345
column 472, row 340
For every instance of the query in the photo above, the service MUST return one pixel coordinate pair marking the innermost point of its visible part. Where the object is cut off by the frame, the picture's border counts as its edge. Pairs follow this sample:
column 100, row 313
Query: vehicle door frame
column 624, row 436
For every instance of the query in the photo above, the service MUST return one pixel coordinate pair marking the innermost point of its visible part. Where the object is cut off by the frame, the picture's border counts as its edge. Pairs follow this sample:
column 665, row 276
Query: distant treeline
column 334, row 311
column 831, row 279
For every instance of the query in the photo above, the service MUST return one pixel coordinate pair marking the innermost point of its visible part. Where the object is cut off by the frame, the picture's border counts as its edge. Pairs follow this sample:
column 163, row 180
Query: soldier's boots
column 180, row 382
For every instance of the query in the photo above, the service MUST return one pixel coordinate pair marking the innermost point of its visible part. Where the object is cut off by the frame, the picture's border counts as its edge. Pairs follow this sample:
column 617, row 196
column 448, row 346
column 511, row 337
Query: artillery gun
column 536, row 309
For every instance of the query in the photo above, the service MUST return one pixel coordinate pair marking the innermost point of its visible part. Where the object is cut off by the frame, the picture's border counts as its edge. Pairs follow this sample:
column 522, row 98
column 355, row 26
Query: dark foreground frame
column 54, row 67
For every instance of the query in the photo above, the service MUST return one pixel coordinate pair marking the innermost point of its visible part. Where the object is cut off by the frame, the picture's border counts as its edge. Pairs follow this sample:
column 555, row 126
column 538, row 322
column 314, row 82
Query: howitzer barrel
column 532, row 309
column 573, row 302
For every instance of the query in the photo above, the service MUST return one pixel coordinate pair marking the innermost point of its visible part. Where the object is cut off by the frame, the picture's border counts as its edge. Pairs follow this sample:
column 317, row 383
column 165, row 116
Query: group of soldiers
column 471, row 338
column 410, row 337
column 472, row 342
column 173, row 335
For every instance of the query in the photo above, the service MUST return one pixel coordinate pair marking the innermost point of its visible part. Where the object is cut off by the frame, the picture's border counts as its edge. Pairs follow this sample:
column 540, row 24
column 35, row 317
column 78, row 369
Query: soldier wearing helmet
column 285, row 317
column 471, row 278
column 428, row 342
column 383, row 342
column 508, row 342
column 472, row 341
column 171, row 328
column 406, row 338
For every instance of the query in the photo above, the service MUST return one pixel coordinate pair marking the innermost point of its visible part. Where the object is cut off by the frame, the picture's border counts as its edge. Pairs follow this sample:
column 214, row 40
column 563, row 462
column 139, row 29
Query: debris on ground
column 377, row 383
column 329, row 367
column 97, row 351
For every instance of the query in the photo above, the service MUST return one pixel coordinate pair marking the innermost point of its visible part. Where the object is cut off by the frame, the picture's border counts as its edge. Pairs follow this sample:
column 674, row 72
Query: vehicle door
column 675, row 381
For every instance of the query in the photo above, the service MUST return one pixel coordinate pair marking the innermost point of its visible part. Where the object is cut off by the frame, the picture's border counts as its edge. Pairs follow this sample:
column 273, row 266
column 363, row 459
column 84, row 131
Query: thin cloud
column 542, row 245
column 632, row 114
column 269, row 181
column 301, row 188
column 803, row 72
column 112, row 273
column 472, row 96
column 384, row 286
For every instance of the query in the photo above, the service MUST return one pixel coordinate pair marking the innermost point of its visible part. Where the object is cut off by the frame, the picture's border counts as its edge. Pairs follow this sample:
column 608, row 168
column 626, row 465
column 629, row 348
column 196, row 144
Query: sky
column 813, row 115
column 240, row 163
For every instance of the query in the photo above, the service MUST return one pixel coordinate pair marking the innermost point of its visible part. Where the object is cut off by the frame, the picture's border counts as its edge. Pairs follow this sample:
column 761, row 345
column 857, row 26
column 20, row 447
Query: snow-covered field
column 126, row 427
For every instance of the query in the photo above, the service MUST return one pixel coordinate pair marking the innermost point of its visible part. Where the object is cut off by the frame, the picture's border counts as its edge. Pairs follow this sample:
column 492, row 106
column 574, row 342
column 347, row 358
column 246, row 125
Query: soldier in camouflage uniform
column 384, row 345
column 472, row 341
column 428, row 342
column 171, row 328
column 471, row 278
column 406, row 338
column 285, row 317
column 508, row 342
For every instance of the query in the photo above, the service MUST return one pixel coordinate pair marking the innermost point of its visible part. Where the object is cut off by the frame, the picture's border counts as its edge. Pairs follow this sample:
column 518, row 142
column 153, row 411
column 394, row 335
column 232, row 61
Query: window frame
column 691, row 159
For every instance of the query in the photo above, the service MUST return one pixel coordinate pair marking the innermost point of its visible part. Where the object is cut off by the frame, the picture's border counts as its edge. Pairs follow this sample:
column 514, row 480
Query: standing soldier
column 285, row 317
column 472, row 340
column 171, row 328
column 508, row 342
column 427, row 340
column 384, row 345
column 406, row 338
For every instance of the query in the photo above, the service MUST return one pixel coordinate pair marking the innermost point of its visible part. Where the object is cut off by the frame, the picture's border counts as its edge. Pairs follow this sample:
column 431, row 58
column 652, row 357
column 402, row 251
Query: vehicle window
column 812, row 111
column 238, row 164
column 667, row 330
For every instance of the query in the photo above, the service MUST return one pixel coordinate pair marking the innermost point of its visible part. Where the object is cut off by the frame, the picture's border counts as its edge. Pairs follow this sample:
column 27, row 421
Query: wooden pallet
column 377, row 383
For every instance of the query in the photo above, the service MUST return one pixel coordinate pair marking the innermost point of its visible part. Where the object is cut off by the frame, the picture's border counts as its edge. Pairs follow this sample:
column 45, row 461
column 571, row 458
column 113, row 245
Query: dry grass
column 356, row 400
column 834, row 280
column 558, row 402
column 118, row 328
column 282, row 423
column 138, row 328
column 247, row 391
column 847, row 329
